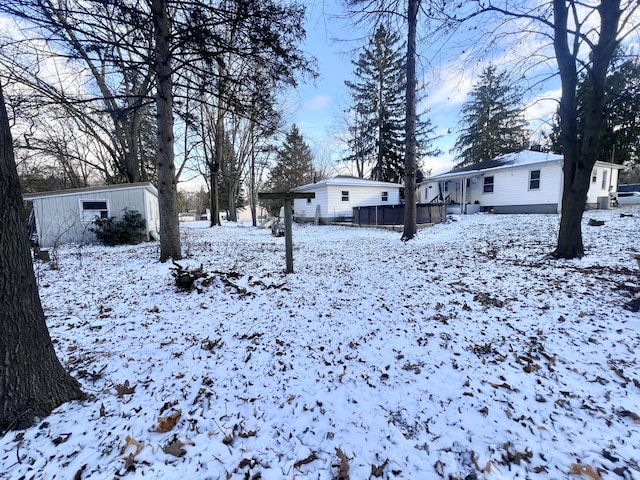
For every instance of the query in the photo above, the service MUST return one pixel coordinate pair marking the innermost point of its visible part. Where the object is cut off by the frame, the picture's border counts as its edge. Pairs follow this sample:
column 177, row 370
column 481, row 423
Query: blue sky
column 316, row 107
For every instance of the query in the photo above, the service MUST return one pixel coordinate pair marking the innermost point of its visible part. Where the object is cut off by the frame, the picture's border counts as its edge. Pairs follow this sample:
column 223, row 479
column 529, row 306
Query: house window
column 308, row 200
column 446, row 186
column 488, row 184
column 92, row 209
column 594, row 176
column 345, row 195
column 534, row 180
column 385, row 196
column 604, row 180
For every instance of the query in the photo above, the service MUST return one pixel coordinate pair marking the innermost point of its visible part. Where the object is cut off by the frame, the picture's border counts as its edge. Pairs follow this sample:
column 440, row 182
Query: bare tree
column 105, row 84
column 407, row 11
column 585, row 37
column 32, row 380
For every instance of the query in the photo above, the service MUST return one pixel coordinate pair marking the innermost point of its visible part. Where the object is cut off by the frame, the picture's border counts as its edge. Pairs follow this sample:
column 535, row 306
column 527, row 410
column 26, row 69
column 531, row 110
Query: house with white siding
column 66, row 216
column 337, row 197
column 520, row 182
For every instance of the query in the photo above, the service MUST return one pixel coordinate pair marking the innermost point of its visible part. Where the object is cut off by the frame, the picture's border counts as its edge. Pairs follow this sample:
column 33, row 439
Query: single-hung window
column 385, row 196
column 92, row 209
column 594, row 176
column 345, row 195
column 534, row 180
column 488, row 184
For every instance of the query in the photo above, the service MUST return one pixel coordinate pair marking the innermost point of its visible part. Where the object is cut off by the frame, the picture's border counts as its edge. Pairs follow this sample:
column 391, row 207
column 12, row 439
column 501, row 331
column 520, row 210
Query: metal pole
column 288, row 237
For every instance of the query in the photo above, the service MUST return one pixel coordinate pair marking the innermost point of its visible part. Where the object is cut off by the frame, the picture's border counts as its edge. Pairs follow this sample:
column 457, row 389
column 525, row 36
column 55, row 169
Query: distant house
column 65, row 216
column 522, row 182
column 336, row 198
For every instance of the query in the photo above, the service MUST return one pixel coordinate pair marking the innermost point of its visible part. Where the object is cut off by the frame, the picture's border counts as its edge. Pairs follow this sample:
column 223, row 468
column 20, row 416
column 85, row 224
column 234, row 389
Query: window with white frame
column 534, row 180
column 488, row 184
column 385, row 196
column 92, row 209
column 594, row 176
column 345, row 195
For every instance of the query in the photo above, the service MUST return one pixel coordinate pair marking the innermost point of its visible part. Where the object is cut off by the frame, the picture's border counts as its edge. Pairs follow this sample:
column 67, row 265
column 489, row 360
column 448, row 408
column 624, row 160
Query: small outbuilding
column 520, row 182
column 66, row 216
column 335, row 198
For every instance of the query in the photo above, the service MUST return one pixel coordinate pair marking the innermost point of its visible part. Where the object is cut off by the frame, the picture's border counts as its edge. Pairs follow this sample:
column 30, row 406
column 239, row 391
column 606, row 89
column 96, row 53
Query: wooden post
column 288, row 219
column 288, row 238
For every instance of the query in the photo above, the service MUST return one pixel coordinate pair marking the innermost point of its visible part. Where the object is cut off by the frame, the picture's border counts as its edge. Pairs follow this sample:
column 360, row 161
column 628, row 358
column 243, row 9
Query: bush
column 128, row 230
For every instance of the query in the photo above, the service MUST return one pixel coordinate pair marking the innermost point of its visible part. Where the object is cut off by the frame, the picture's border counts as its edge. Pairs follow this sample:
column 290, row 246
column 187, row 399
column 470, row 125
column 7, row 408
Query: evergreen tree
column 293, row 166
column 492, row 120
column 377, row 114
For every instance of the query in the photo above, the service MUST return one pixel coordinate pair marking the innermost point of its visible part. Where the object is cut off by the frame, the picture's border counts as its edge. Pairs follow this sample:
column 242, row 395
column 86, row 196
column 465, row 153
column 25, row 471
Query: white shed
column 65, row 216
column 336, row 198
column 521, row 182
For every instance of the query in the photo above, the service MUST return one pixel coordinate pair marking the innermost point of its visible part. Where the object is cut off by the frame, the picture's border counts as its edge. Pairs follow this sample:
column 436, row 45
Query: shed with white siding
column 337, row 197
column 521, row 182
column 66, row 216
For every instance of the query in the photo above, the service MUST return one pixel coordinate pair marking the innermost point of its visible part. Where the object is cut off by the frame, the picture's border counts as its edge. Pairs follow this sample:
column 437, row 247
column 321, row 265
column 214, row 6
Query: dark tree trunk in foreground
column 580, row 157
column 410, row 208
column 167, row 182
column 32, row 381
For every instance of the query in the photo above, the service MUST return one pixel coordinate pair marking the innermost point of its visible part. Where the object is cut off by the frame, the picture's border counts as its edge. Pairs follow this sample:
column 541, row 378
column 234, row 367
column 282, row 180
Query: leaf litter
column 466, row 353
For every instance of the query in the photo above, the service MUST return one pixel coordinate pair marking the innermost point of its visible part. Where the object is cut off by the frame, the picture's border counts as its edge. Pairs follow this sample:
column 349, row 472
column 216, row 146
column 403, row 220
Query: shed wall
column 58, row 217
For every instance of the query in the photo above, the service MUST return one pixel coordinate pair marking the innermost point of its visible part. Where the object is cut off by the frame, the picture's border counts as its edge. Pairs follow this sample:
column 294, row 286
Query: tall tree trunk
column 219, row 152
column 32, row 381
column 167, row 182
column 410, row 208
column 580, row 158
column 233, row 211
column 252, row 179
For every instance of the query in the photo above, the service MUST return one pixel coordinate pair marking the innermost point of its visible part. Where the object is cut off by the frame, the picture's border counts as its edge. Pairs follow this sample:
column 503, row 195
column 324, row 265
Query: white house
column 521, row 182
column 336, row 197
column 65, row 216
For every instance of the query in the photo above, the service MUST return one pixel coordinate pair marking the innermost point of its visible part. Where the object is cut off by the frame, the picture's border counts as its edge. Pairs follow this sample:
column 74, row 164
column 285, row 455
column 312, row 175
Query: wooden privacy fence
column 394, row 214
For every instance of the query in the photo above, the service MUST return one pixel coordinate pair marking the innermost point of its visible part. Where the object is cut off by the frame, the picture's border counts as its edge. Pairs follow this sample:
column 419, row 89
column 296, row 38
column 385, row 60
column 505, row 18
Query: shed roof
column 347, row 181
column 102, row 188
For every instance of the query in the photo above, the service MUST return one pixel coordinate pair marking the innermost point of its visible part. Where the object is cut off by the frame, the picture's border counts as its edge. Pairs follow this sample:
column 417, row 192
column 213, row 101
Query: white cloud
column 319, row 102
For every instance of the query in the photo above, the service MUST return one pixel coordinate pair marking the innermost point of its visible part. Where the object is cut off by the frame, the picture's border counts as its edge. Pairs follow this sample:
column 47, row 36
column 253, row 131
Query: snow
column 465, row 353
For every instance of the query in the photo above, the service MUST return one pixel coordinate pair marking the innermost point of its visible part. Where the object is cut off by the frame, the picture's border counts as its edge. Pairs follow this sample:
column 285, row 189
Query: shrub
column 128, row 230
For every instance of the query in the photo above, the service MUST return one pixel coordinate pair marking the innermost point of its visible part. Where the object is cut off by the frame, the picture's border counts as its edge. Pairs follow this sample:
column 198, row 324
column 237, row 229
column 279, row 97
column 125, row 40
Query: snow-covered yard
column 467, row 353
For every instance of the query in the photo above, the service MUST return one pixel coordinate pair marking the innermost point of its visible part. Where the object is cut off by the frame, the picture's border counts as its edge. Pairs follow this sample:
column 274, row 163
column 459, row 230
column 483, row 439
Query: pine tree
column 293, row 166
column 376, row 136
column 378, row 96
column 492, row 120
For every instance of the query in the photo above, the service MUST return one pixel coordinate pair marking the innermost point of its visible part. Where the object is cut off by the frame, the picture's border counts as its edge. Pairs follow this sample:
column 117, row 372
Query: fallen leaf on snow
column 166, row 424
column 632, row 415
column 378, row 470
column 125, row 389
column 129, row 441
column 343, row 468
column 588, row 470
column 174, row 448
column 304, row 461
